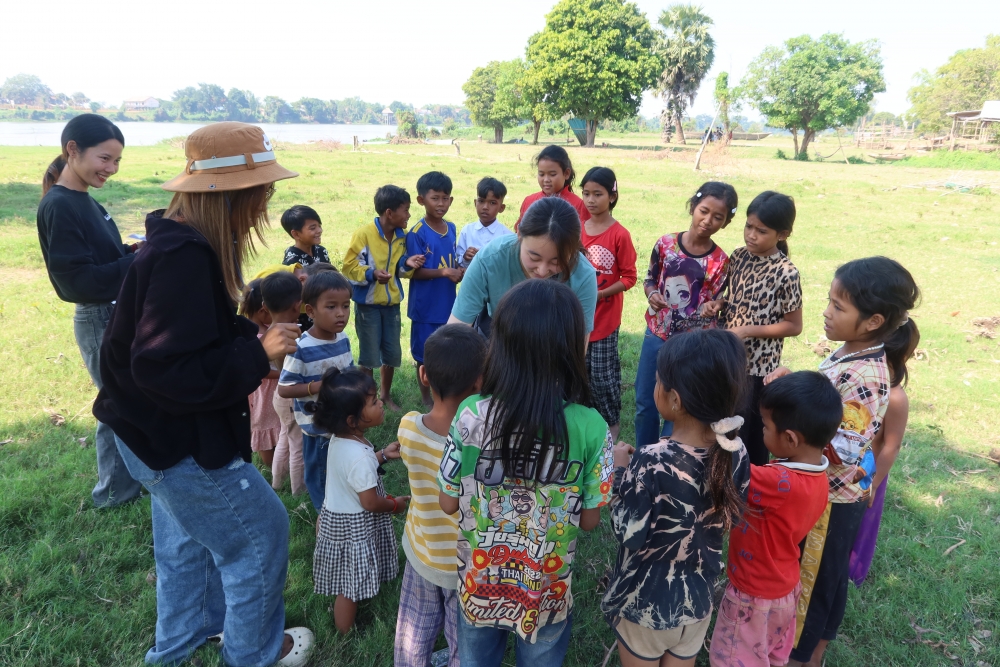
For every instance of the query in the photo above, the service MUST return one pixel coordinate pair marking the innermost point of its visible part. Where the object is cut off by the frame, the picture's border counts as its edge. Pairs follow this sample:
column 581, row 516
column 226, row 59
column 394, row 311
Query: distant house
column 388, row 117
column 977, row 127
column 141, row 105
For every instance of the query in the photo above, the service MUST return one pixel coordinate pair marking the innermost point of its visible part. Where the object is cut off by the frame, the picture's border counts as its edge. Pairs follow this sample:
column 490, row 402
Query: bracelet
column 393, row 499
column 382, row 452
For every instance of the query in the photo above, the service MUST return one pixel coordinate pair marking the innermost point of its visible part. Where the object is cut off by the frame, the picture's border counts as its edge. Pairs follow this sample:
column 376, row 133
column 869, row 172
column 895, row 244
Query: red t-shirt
column 784, row 501
column 613, row 255
column 563, row 194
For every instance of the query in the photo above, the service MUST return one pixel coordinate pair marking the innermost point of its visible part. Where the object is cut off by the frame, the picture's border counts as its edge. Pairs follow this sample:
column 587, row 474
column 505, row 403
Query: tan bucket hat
column 227, row 156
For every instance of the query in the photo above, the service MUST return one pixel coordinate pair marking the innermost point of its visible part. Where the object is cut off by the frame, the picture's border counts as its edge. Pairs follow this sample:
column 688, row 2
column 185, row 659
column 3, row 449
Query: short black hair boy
column 280, row 291
column 434, row 180
column 454, row 357
column 389, row 198
column 805, row 402
column 295, row 218
column 322, row 282
column 490, row 184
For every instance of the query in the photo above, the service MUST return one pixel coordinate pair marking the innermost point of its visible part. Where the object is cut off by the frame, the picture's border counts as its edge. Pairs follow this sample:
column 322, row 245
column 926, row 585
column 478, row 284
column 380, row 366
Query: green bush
column 802, row 157
column 780, row 154
column 856, row 159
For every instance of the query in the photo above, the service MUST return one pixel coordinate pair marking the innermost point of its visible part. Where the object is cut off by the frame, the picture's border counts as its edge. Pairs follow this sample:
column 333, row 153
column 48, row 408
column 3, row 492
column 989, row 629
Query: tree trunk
column 679, row 125
column 591, row 132
column 795, row 139
column 538, row 126
column 807, row 136
column 665, row 122
column 498, row 134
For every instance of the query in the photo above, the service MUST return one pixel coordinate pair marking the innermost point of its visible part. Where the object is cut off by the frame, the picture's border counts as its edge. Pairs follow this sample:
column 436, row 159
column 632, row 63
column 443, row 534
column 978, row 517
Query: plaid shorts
column 424, row 610
column 605, row 370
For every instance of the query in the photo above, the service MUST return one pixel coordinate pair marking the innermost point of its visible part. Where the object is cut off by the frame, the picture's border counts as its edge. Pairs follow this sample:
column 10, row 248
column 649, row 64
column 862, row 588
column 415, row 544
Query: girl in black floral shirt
column 677, row 498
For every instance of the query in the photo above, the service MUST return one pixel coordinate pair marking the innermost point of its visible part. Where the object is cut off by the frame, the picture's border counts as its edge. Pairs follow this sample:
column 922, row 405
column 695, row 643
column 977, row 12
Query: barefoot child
column 374, row 263
column 677, row 498
column 304, row 226
column 555, row 178
column 684, row 284
column 355, row 544
column 264, row 423
column 608, row 246
column 327, row 296
column 475, row 236
column 452, row 369
column 281, row 293
column 755, row 626
column 764, row 305
column 432, row 286
column 529, row 466
column 869, row 299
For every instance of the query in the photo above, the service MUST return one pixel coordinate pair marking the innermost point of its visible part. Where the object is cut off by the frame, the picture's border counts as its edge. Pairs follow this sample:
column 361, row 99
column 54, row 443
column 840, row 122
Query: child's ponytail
column 342, row 395
column 707, row 369
column 775, row 211
column 252, row 300
column 899, row 348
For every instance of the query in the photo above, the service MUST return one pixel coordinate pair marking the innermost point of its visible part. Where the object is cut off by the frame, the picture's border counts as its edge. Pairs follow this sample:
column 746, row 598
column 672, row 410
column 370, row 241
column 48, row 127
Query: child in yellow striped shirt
column 454, row 356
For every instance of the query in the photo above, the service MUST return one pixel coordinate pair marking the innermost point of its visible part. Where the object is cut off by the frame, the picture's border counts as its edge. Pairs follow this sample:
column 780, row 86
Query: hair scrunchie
column 725, row 426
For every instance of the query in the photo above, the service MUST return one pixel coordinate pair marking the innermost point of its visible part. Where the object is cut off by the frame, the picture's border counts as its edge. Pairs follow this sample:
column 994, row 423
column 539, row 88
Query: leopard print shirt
column 761, row 291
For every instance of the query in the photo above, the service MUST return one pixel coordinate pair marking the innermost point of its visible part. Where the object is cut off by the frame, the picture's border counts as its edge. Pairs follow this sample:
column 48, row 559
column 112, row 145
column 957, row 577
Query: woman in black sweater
column 86, row 262
column 178, row 364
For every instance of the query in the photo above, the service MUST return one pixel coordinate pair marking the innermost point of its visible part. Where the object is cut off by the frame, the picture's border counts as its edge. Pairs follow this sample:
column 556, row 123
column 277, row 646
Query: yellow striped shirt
column 430, row 538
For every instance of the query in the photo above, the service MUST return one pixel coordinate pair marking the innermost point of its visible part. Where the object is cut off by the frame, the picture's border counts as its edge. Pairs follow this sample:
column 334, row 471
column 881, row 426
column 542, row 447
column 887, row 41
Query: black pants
column 829, row 597
column 752, row 431
column 483, row 322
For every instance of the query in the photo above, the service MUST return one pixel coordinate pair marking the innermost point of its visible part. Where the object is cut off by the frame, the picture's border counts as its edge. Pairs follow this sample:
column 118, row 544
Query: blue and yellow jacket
column 370, row 250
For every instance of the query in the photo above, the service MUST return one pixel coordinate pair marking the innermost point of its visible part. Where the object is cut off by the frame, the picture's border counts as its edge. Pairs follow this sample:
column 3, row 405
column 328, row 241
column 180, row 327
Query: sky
column 417, row 52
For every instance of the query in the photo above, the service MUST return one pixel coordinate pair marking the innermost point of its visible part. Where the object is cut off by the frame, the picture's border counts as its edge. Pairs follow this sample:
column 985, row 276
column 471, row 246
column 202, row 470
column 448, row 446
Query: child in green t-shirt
column 529, row 466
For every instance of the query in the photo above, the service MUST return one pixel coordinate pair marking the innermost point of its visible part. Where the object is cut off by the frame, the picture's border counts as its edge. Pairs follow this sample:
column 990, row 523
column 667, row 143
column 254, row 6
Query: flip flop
column 302, row 642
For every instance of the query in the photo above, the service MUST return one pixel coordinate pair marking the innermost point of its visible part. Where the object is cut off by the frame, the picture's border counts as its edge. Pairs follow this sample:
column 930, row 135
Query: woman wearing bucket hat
column 178, row 365
column 86, row 261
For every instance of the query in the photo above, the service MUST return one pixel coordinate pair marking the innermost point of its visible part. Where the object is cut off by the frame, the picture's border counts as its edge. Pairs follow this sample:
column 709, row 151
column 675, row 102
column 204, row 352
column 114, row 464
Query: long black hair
column 86, row 130
column 534, row 366
column 775, row 211
column 606, row 179
column 707, row 369
column 558, row 155
column 342, row 394
column 558, row 220
column 724, row 192
column 253, row 299
column 899, row 348
column 879, row 285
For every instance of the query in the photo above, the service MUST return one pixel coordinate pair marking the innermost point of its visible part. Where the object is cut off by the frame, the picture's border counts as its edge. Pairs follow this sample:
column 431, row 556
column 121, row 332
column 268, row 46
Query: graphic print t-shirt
column 431, row 300
column 295, row 256
column 686, row 281
column 613, row 256
column 517, row 541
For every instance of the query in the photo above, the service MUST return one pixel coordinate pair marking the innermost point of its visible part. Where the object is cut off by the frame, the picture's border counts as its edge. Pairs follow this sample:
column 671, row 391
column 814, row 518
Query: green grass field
column 73, row 580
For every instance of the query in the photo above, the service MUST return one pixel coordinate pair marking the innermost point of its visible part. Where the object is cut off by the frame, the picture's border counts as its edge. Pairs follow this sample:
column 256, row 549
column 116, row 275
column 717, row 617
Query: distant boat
column 751, row 136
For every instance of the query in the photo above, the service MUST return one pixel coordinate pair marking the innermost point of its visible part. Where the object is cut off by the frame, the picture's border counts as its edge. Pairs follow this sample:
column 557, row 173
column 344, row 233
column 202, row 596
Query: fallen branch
column 607, row 654
column 953, row 547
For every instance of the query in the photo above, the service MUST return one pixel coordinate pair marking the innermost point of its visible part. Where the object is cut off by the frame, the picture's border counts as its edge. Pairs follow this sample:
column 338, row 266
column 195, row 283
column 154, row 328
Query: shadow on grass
column 125, row 200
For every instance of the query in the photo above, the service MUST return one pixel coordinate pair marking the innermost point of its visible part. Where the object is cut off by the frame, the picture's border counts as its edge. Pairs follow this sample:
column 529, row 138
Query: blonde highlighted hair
column 232, row 222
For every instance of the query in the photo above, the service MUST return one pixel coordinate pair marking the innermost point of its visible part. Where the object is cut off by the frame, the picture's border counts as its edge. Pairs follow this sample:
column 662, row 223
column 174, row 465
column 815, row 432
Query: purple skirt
column 864, row 544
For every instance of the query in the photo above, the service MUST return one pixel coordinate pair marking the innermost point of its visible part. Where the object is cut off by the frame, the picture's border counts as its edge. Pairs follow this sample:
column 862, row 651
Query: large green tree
column 814, row 84
column 594, row 59
column 687, row 52
column 537, row 91
column 969, row 78
column 25, row 89
column 494, row 96
column 726, row 99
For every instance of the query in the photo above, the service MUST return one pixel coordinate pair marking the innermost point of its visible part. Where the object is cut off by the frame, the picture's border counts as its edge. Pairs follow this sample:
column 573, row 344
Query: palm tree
column 688, row 52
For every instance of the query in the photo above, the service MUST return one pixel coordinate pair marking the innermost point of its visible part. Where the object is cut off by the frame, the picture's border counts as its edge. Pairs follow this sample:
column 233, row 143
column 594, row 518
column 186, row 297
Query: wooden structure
column 976, row 130
column 882, row 136
column 388, row 116
column 144, row 104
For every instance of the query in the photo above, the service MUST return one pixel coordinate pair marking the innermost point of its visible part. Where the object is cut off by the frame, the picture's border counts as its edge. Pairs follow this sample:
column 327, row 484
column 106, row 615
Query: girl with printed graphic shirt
column 555, row 178
column 608, row 246
column 869, row 300
column 529, row 466
column 764, row 305
column 684, row 285
column 676, row 499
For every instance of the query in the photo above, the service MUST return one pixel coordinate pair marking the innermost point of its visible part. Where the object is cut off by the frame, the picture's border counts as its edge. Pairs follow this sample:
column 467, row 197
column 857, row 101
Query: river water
column 147, row 133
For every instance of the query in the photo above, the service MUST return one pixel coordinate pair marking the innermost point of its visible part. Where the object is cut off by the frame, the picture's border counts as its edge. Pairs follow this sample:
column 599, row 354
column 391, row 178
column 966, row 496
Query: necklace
column 363, row 441
column 830, row 362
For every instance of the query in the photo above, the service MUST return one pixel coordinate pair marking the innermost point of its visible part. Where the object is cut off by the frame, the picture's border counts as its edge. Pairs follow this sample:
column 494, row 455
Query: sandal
column 215, row 640
column 302, row 642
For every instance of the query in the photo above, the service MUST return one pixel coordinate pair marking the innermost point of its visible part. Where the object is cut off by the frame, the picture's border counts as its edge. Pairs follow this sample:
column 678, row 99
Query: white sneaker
column 302, row 643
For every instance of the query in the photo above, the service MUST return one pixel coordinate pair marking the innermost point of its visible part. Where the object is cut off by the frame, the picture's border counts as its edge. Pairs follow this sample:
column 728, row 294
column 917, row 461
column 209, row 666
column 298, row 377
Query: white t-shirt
column 351, row 467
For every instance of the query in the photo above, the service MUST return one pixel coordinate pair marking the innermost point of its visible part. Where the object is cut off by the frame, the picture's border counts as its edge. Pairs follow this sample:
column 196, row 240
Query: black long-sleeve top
column 177, row 362
column 82, row 247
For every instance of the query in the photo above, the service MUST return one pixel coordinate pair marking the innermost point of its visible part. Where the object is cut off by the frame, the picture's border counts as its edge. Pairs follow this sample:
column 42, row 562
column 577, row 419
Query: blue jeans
column 315, row 449
column 647, row 417
column 220, row 541
column 114, row 484
column 484, row 647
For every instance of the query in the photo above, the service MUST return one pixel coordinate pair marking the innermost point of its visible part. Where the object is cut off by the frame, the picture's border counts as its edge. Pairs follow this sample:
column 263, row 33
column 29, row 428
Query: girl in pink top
column 264, row 423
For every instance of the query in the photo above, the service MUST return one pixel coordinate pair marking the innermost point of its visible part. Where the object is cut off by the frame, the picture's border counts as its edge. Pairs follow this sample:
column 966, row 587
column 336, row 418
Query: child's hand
column 454, row 275
column 656, row 301
column 469, row 254
column 416, row 261
column 391, row 451
column 401, row 503
column 739, row 332
column 622, row 454
column 381, row 276
column 712, row 308
column 280, row 340
column 778, row 372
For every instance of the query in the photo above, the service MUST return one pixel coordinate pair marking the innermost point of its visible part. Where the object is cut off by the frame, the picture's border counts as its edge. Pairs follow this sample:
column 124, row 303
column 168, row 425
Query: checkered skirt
column 354, row 553
column 605, row 370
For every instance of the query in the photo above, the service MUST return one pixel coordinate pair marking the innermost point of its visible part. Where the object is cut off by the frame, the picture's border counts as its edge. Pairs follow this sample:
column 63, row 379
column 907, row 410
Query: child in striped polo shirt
column 454, row 356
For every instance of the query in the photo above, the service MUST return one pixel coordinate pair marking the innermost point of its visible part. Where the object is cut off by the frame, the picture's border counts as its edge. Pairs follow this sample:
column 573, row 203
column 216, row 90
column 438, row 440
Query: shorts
column 419, row 333
column 605, row 370
column 682, row 642
column 378, row 329
column 753, row 631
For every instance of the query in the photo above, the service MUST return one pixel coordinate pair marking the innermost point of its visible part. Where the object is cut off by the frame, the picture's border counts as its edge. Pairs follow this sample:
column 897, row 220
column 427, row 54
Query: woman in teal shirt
column 547, row 245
